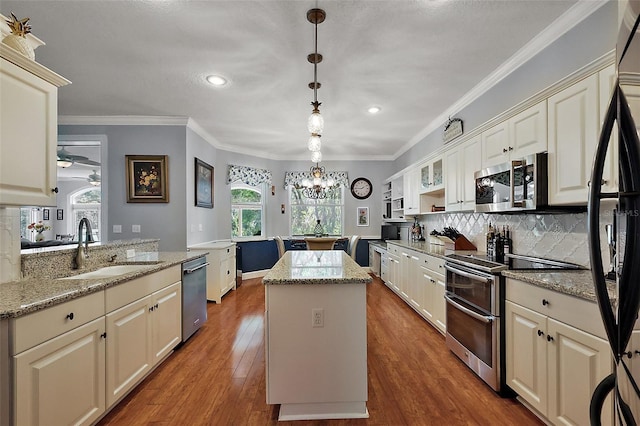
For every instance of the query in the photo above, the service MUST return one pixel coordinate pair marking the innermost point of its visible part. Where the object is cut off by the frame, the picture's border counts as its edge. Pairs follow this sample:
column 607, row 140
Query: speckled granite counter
column 316, row 267
column 18, row 298
column 574, row 283
column 427, row 248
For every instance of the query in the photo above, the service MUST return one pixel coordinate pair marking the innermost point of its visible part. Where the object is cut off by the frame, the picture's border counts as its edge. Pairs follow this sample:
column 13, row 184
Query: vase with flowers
column 38, row 228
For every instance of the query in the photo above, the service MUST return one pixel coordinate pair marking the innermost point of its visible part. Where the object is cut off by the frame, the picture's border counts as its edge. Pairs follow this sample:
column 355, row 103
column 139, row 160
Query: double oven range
column 475, row 300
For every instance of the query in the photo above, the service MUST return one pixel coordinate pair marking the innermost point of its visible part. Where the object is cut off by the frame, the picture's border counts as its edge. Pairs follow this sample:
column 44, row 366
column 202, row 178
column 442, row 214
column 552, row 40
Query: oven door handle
column 192, row 270
column 483, row 318
column 473, row 275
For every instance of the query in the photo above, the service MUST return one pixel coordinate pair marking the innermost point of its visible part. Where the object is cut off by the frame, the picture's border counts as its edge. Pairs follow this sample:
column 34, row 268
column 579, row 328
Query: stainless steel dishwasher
column 194, row 296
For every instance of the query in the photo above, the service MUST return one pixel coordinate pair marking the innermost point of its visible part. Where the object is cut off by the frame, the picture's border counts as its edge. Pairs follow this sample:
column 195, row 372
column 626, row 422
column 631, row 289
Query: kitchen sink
column 107, row 271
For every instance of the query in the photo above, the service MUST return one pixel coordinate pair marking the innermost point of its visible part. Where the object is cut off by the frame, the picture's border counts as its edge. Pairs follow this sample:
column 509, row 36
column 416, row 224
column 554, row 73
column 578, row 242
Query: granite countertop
column 426, row 247
column 575, row 283
column 316, row 267
column 21, row 297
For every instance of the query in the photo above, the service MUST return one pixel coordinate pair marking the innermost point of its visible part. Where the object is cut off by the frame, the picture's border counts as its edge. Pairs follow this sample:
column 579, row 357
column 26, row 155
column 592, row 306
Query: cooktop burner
column 515, row 262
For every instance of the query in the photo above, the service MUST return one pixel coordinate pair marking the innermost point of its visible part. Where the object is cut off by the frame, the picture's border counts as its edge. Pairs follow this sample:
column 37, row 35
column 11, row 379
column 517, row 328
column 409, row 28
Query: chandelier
column 319, row 184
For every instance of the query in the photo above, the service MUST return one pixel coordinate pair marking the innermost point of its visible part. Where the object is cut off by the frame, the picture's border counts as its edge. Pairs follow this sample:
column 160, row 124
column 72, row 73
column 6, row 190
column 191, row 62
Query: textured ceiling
column 415, row 59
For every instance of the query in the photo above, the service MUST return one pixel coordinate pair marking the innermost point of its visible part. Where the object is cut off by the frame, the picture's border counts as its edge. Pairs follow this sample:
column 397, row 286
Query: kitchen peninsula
column 316, row 336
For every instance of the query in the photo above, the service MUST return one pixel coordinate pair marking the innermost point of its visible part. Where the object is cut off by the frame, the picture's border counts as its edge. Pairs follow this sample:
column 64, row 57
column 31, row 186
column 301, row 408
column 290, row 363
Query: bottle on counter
column 490, row 242
column 507, row 241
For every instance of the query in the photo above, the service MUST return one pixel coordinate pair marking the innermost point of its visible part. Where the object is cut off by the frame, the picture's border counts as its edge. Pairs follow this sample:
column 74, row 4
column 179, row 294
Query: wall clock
column 361, row 188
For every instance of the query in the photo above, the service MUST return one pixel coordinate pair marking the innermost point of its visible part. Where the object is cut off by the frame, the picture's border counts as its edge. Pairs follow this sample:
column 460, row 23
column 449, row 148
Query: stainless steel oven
column 475, row 307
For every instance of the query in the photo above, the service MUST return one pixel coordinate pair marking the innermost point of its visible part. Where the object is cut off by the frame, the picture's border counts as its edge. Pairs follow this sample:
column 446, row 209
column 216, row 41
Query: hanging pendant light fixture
column 319, row 185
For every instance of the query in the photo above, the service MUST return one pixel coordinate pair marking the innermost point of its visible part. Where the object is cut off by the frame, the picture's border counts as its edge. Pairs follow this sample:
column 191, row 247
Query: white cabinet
column 28, row 131
column 411, row 181
column 221, row 272
column 554, row 361
column 140, row 335
column 573, row 134
column 521, row 135
column 397, row 199
column 461, row 164
column 61, row 381
column 433, row 284
column 431, row 176
column 418, row 278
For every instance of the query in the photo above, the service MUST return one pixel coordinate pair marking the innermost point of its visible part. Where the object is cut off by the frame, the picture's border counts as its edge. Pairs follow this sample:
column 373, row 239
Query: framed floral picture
column 204, row 184
column 363, row 216
column 147, row 179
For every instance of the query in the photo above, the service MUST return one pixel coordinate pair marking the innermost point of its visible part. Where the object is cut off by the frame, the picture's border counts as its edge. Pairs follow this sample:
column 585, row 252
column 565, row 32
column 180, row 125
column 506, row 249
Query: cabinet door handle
column 540, row 333
column 545, row 302
column 504, row 150
column 104, row 335
column 151, row 309
column 54, row 190
column 510, row 148
column 156, row 306
column 549, row 338
column 70, row 316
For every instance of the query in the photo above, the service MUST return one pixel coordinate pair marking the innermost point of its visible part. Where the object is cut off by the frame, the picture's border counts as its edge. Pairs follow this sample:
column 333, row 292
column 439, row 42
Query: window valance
column 293, row 178
column 248, row 175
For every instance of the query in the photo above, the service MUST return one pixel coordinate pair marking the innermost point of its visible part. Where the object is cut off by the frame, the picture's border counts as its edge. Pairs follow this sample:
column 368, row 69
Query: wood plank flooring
column 218, row 376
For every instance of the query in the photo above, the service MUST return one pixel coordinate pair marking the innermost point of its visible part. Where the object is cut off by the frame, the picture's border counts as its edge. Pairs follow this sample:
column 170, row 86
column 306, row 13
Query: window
column 86, row 203
column 247, row 211
column 305, row 212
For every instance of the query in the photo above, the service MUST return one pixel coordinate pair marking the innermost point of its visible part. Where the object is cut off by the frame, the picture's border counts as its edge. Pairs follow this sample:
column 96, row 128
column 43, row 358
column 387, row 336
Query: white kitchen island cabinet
column 221, row 272
column 316, row 336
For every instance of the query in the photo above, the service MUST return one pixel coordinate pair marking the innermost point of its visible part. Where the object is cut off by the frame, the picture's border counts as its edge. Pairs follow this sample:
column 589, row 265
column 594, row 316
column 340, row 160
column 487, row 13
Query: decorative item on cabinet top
column 17, row 40
column 452, row 129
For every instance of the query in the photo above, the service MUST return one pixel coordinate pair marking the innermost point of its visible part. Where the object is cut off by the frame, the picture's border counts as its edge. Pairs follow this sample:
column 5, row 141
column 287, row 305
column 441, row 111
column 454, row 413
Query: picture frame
column 147, row 178
column 203, row 184
column 45, row 214
column 59, row 214
column 362, row 218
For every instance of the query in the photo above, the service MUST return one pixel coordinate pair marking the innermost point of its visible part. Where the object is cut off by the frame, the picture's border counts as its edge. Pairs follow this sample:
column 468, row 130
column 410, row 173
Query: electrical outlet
column 131, row 253
column 200, row 227
column 317, row 317
column 135, row 228
column 117, row 229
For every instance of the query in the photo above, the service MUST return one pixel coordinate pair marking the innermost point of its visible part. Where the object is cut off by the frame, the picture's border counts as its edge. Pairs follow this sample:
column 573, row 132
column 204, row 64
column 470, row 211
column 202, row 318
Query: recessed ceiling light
column 374, row 109
column 217, row 80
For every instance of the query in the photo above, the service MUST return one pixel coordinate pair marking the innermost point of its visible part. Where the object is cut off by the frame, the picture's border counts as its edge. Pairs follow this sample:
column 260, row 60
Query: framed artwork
column 45, row 214
column 363, row 216
column 59, row 214
column 147, row 179
column 203, row 184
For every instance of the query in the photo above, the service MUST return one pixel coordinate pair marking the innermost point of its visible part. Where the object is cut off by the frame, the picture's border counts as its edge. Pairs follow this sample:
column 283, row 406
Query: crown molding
column 122, row 120
column 572, row 17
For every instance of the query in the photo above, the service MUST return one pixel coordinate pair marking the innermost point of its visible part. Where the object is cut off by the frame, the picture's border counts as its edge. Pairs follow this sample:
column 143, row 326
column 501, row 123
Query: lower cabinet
column 221, row 272
column 418, row 278
column 553, row 365
column 73, row 361
column 140, row 335
column 62, row 381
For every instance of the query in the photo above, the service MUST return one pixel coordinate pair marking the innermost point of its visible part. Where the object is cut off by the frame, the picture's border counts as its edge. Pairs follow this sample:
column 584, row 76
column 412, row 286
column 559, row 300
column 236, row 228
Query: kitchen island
column 316, row 336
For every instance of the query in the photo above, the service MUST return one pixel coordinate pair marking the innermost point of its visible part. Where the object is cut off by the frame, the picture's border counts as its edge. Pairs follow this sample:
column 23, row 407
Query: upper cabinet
column 521, row 135
column 28, row 130
column 411, row 193
column 573, row 135
column 432, row 176
column 461, row 164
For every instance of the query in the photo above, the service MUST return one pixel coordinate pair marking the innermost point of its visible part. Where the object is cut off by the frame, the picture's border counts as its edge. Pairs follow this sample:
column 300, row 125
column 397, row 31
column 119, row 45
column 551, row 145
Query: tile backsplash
column 552, row 236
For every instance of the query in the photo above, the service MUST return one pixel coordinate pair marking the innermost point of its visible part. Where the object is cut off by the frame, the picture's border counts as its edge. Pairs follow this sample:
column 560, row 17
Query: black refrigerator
column 621, row 212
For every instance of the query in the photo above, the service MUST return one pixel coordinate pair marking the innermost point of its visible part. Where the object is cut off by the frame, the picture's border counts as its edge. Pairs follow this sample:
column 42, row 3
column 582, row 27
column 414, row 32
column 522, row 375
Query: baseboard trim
column 254, row 274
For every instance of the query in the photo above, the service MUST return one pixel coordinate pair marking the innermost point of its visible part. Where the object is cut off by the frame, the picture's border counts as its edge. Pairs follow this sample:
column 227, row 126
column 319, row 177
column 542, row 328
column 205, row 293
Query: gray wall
column 167, row 221
column 587, row 41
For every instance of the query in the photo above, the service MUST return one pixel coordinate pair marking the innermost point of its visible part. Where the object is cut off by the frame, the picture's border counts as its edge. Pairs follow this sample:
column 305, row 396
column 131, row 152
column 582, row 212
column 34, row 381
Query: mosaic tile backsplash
column 552, row 236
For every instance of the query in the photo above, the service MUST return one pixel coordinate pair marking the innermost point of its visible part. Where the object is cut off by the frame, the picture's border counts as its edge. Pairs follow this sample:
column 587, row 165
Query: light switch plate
column 135, row 228
column 117, row 229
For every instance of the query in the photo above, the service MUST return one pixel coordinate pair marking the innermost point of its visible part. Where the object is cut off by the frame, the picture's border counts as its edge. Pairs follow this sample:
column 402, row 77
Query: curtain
column 293, row 178
column 248, row 175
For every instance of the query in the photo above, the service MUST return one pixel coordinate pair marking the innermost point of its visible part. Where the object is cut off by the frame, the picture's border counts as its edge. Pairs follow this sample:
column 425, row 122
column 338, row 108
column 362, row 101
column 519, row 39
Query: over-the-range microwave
column 517, row 185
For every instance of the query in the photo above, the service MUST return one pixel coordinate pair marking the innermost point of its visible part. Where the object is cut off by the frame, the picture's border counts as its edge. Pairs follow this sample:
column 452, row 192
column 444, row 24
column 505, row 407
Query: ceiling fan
column 66, row 159
column 94, row 178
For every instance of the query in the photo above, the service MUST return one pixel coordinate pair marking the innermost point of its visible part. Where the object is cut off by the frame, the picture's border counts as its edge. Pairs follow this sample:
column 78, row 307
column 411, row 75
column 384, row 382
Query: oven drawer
column 579, row 313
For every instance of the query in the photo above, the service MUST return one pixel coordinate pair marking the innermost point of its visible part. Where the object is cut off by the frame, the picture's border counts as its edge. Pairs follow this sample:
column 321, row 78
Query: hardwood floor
column 218, row 376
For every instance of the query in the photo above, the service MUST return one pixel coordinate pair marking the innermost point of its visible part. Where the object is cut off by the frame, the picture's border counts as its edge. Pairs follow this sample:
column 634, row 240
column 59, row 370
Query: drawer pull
column 540, row 333
column 545, row 302
column 70, row 316
column 151, row 309
column 549, row 338
column 156, row 306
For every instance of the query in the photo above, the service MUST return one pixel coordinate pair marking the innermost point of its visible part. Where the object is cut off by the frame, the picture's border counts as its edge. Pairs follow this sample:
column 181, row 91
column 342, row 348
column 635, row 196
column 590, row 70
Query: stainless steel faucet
column 83, row 252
